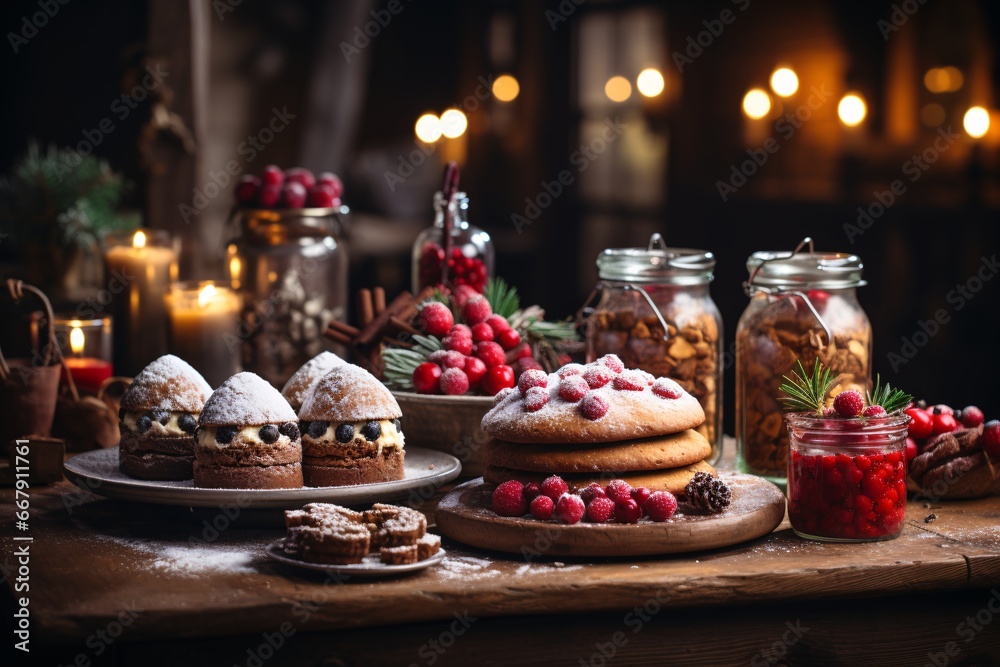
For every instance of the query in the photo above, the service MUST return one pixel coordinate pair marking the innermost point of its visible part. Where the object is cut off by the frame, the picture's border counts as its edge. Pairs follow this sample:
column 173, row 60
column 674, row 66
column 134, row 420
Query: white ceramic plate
column 371, row 566
column 97, row 471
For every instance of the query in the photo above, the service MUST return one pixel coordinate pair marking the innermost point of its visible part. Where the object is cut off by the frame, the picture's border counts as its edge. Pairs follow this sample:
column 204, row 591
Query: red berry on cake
column 531, row 490
column 600, row 509
column 613, row 362
column 454, row 382
column 497, row 378
column 475, row 369
column 573, row 388
column 972, row 417
column 490, row 352
column 570, row 369
column 525, row 364
column 618, row 490
column 482, row 332
column 476, row 310
column 569, row 508
column 660, row 506
column 426, row 377
column 597, row 376
column 991, row 440
column 508, row 499
column 553, row 487
column 509, row 338
column 849, row 403
column 593, row 407
column 874, row 412
column 640, row 494
column 629, row 381
column 435, row 319
column 628, row 511
column 667, row 388
column 532, row 378
column 535, row 399
column 542, row 507
column 591, row 491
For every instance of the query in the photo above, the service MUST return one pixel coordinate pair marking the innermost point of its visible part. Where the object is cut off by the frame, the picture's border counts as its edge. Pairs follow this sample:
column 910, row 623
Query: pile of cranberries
column 617, row 502
column 927, row 422
column 294, row 188
column 484, row 355
column 462, row 270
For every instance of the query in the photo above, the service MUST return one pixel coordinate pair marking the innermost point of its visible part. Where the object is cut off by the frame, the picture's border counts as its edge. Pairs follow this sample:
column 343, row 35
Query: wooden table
column 140, row 586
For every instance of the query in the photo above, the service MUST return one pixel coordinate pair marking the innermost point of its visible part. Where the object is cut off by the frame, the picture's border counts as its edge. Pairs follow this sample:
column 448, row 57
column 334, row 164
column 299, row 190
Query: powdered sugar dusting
column 169, row 384
column 305, row 379
column 349, row 393
column 631, row 414
column 465, row 567
column 190, row 558
column 246, row 400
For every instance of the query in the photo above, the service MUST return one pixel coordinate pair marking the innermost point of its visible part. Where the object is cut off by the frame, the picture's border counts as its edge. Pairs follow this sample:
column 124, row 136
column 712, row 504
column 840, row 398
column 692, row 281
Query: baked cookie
column 393, row 526
column 954, row 465
column 673, row 480
column 656, row 453
column 157, row 420
column 325, row 533
column 248, row 438
column 599, row 402
column 401, row 555
column 350, row 430
column 304, row 379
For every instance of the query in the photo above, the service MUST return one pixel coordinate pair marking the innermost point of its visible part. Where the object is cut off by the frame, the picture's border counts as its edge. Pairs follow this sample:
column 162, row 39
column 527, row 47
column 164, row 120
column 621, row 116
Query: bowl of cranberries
column 291, row 189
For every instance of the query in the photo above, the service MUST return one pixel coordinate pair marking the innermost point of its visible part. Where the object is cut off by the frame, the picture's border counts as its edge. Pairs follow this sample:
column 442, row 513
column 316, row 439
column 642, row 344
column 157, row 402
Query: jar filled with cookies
column 655, row 312
column 803, row 306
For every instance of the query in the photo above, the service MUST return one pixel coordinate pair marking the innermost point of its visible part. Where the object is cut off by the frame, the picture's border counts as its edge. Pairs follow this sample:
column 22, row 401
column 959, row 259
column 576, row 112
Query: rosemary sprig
column 805, row 392
column 400, row 363
column 889, row 398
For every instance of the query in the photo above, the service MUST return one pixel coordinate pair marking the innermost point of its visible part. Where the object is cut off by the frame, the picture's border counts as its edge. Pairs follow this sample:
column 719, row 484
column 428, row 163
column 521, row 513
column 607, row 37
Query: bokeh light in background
column 852, row 109
column 618, row 89
column 506, row 88
column 428, row 128
column 650, row 82
column 453, row 123
column 756, row 103
column 976, row 122
column 784, row 82
column 932, row 114
column 943, row 79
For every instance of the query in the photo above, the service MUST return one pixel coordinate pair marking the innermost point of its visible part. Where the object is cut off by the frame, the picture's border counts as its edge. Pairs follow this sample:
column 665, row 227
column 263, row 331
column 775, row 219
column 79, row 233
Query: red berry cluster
column 462, row 270
column 850, row 497
column 474, row 357
column 295, row 188
column 927, row 422
column 578, row 384
column 616, row 502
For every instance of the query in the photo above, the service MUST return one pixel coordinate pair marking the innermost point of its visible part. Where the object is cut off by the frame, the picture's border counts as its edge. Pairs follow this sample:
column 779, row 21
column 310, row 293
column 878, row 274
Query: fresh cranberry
column 321, row 196
column 497, row 378
column 272, row 175
column 600, row 509
column 509, row 338
column 911, row 449
column 849, row 403
column 475, row 369
column 569, row 508
column 300, row 175
column 991, row 440
column 426, row 378
column 435, row 319
column 269, row 195
column 542, row 507
column 628, row 511
column 332, row 181
column 490, row 352
column 498, row 322
column 454, row 382
column 508, row 499
column 553, row 487
column 532, row 378
column 921, row 425
column 246, row 191
column 944, row 423
column 476, row 310
column 482, row 332
column 972, row 417
column 640, row 494
column 531, row 490
column 293, row 195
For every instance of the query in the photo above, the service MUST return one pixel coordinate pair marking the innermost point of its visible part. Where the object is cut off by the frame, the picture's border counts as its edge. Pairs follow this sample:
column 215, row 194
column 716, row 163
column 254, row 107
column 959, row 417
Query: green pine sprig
column 889, row 398
column 806, row 392
column 503, row 298
column 399, row 363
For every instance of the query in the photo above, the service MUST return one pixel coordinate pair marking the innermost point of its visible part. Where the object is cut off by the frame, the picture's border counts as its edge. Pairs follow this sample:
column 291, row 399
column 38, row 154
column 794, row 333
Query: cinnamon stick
column 374, row 329
column 366, row 308
column 379, row 295
column 335, row 335
column 403, row 325
column 343, row 328
column 411, row 309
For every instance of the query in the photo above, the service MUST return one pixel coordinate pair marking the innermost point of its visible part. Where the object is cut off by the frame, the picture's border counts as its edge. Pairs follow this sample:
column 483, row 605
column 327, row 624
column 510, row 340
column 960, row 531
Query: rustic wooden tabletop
column 122, row 583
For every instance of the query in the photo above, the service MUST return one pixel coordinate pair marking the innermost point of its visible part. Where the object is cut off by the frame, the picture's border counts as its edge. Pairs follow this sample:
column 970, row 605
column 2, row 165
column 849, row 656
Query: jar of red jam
column 846, row 477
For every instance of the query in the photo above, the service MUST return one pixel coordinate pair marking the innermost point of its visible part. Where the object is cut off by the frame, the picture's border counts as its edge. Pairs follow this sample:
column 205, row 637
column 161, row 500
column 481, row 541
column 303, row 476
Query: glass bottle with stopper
column 452, row 252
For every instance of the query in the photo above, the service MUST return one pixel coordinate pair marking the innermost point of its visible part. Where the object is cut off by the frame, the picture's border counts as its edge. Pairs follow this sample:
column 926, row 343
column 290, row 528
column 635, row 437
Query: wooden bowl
column 449, row 424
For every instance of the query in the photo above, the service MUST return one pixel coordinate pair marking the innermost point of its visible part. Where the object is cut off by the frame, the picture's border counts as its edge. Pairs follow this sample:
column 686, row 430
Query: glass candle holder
column 86, row 347
column 203, row 327
column 846, row 477
column 140, row 267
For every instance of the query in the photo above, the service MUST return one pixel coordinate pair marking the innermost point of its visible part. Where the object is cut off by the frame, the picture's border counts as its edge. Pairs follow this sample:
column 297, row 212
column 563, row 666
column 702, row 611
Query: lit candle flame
column 205, row 295
column 76, row 340
column 139, row 240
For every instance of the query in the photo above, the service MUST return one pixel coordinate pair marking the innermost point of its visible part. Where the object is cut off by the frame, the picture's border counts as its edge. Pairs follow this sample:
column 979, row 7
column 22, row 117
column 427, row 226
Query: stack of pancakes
column 645, row 437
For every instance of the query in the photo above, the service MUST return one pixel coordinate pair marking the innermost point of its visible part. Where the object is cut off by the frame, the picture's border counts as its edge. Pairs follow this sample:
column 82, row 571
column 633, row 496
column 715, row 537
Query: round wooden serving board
column 758, row 508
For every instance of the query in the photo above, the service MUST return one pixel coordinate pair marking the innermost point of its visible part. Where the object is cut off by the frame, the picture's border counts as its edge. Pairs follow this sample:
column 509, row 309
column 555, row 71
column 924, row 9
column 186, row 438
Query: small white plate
column 97, row 471
column 371, row 566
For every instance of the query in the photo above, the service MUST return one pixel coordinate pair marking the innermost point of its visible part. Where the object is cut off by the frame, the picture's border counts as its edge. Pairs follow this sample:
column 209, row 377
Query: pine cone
column 708, row 493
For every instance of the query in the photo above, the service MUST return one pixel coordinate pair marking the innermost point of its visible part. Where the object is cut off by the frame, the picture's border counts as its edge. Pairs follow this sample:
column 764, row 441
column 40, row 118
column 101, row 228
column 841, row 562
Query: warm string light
column 453, row 123
column 428, row 128
column 650, row 82
column 506, row 88
column 852, row 109
column 756, row 103
column 976, row 122
column 784, row 82
column 618, row 89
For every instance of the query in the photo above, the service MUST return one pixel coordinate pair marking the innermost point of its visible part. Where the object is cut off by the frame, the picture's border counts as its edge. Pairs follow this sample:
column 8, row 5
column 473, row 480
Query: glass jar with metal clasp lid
column 655, row 312
column 803, row 306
